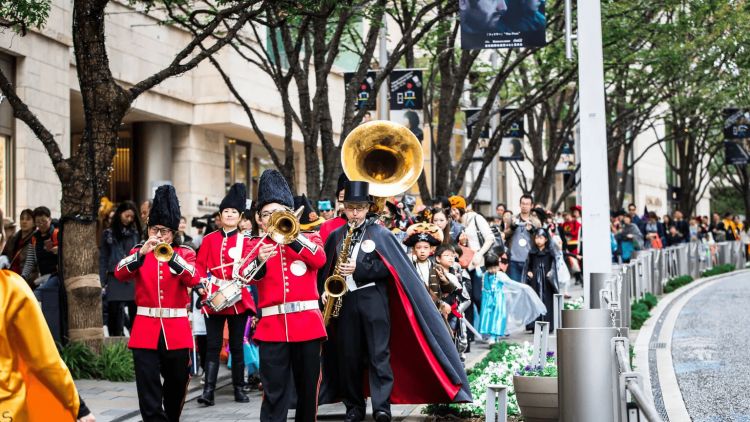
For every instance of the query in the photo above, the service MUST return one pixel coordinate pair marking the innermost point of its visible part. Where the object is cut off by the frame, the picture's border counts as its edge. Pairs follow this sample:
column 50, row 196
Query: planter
column 537, row 398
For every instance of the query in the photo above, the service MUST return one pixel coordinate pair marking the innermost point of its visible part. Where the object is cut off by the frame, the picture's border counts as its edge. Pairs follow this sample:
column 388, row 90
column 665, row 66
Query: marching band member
column 309, row 221
column 388, row 316
column 334, row 223
column 161, row 338
column 290, row 330
column 218, row 261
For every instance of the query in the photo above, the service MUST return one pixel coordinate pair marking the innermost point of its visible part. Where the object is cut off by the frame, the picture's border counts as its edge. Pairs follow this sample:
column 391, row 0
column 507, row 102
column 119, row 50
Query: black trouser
column 157, row 402
column 215, row 337
column 116, row 316
column 362, row 337
column 200, row 344
column 278, row 363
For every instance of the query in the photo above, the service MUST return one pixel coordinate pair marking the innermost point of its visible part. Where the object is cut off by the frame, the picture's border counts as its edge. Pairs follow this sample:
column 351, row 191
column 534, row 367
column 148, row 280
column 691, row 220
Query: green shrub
column 80, row 359
column 719, row 269
column 113, row 363
column 640, row 310
column 649, row 300
column 677, row 282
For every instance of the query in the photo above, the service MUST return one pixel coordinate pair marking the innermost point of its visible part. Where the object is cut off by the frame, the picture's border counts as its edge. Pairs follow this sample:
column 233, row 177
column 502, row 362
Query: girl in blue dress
column 494, row 317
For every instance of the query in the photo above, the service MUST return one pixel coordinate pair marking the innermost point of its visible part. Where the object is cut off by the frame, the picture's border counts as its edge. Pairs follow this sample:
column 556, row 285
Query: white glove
column 4, row 262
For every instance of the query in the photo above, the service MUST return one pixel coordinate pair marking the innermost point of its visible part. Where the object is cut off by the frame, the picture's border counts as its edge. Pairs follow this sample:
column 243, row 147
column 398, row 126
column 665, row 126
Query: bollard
column 496, row 409
column 598, row 282
column 558, row 301
column 585, row 368
column 585, row 318
column 541, row 343
column 682, row 259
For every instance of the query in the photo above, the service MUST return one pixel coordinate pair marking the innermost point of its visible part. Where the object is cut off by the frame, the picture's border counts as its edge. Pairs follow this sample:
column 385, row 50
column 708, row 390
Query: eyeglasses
column 357, row 207
column 163, row 230
column 267, row 214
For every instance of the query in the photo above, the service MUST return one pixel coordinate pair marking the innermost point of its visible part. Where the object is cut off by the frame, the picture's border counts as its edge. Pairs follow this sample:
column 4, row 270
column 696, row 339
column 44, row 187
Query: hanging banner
column 365, row 91
column 567, row 163
column 735, row 154
column 502, row 23
column 511, row 146
column 406, row 89
column 472, row 118
column 736, row 123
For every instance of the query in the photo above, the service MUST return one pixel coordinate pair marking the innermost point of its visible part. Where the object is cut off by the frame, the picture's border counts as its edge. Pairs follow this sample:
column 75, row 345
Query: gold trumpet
column 163, row 252
column 335, row 285
column 385, row 154
column 283, row 226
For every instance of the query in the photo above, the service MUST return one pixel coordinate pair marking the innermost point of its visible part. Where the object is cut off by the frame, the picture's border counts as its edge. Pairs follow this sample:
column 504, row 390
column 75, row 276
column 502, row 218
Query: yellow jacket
column 35, row 384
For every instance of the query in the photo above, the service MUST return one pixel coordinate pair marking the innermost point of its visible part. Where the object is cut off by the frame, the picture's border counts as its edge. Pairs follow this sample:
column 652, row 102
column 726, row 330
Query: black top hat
column 356, row 191
column 236, row 198
column 309, row 218
column 273, row 188
column 165, row 209
column 341, row 185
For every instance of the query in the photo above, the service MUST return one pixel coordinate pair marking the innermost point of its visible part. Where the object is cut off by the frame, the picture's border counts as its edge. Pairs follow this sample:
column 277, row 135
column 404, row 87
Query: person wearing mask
column 540, row 272
column 219, row 262
column 117, row 242
column 334, row 223
column 161, row 338
column 399, row 367
column 290, row 331
column 17, row 247
column 520, row 238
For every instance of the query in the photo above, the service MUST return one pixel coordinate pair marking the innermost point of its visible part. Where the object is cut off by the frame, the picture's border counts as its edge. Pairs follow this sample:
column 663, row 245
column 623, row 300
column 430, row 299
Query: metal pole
column 597, row 256
column 569, row 29
column 383, row 60
column 493, row 164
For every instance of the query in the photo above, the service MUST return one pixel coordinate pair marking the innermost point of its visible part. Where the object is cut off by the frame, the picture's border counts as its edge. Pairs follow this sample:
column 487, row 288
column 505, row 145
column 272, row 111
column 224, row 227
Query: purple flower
column 527, row 368
column 550, row 354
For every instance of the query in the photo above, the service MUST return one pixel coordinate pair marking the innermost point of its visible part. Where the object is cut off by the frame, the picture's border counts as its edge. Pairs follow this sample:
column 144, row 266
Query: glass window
column 236, row 163
column 6, row 175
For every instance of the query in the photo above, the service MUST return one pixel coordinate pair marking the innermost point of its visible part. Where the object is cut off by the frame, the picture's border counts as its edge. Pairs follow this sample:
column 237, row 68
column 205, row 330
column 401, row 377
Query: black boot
column 238, row 381
column 212, row 371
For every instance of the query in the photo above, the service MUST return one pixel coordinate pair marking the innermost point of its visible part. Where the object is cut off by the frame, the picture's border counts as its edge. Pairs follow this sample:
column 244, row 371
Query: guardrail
column 628, row 381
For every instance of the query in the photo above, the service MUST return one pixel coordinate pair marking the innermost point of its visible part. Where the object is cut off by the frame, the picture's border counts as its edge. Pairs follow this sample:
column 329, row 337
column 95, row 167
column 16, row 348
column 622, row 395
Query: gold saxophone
column 335, row 285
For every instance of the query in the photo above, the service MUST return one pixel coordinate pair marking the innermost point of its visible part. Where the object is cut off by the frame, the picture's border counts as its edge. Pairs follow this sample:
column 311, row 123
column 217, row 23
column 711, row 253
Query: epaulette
column 186, row 247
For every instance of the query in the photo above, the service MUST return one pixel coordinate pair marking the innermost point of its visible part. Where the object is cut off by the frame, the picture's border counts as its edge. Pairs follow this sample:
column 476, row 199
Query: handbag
column 563, row 275
column 498, row 248
column 656, row 243
column 467, row 255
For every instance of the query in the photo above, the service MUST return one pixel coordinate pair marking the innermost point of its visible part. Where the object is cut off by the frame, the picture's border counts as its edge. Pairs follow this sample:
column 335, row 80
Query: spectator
column 629, row 238
column 540, row 272
column 682, row 226
column 441, row 219
column 117, row 242
column 730, row 227
column 695, row 230
column 674, row 237
column 655, row 236
column 521, row 238
column 42, row 256
column 441, row 202
column 507, row 223
column 633, row 213
column 667, row 221
column 718, row 231
column 17, row 247
column 181, row 236
column 494, row 316
column 145, row 209
column 500, row 210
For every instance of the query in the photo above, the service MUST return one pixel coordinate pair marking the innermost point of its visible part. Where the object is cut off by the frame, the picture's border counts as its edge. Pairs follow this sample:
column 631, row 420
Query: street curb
column 192, row 394
column 653, row 347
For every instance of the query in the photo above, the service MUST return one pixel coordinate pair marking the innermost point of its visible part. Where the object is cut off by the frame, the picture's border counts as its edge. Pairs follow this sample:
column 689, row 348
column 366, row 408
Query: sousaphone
column 385, row 154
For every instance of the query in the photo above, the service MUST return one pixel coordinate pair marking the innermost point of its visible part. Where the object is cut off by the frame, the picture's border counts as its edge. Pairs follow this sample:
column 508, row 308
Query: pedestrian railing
column 629, row 385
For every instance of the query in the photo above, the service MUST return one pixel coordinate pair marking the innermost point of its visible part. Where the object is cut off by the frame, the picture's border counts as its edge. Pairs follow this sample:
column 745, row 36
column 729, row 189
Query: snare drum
column 226, row 296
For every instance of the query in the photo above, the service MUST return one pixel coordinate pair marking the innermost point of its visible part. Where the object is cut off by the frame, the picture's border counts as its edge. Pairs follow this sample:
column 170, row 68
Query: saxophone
column 335, row 285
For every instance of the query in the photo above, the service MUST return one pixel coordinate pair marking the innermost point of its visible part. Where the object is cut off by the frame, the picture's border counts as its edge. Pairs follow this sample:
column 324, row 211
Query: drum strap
column 238, row 258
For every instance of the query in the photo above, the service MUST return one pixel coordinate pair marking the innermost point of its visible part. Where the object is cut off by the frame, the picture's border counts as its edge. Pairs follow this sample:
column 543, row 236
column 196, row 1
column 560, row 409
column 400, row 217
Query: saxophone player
column 290, row 330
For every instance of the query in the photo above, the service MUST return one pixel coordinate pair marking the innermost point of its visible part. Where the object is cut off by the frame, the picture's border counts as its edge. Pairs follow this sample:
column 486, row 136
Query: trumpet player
column 290, row 330
column 219, row 261
column 161, row 338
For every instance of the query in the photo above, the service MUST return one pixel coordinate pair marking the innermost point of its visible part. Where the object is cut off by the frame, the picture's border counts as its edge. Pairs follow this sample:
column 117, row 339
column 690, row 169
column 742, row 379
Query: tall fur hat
column 165, row 210
column 236, row 198
column 273, row 188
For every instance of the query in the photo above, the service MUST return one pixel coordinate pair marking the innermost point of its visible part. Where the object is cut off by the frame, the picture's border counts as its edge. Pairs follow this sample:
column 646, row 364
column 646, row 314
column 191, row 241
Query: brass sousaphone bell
column 385, row 154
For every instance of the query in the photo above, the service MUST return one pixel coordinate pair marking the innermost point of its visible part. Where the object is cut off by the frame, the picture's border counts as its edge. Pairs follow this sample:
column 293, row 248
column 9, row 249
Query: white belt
column 289, row 308
column 161, row 312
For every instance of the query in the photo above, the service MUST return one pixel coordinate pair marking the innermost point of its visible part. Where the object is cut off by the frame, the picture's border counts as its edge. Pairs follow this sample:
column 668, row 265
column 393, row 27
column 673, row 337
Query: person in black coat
column 117, row 241
column 540, row 272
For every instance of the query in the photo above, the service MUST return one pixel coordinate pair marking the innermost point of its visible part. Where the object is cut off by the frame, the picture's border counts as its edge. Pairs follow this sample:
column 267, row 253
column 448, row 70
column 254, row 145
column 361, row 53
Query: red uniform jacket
column 160, row 285
column 291, row 276
column 329, row 226
column 217, row 249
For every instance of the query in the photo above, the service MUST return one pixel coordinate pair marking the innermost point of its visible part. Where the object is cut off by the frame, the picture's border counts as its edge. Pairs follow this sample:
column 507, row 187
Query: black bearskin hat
column 273, row 188
column 341, row 185
column 236, row 198
column 165, row 210
column 309, row 218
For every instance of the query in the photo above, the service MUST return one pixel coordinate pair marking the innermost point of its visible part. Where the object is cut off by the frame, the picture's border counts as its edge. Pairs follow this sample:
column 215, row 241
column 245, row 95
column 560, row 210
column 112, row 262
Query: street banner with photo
column 511, row 146
column 472, row 118
column 567, row 163
column 735, row 153
column 364, row 91
column 406, row 89
column 736, row 123
column 502, row 23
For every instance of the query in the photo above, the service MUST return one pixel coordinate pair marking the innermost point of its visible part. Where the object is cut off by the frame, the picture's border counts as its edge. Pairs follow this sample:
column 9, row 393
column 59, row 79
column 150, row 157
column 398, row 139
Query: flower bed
column 503, row 362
